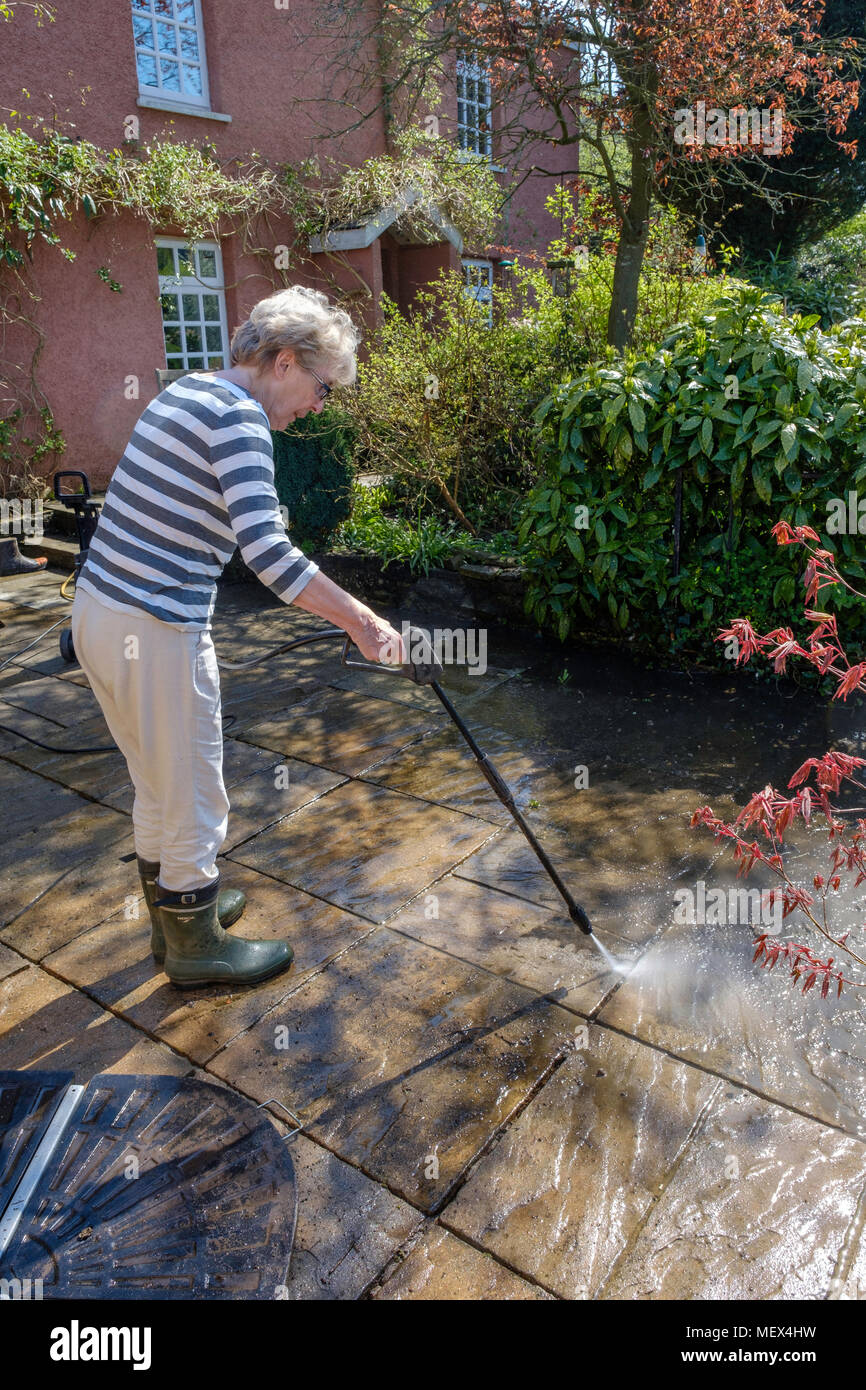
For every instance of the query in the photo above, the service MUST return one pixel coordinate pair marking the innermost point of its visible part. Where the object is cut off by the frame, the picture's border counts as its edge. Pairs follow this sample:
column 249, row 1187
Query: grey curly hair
column 304, row 320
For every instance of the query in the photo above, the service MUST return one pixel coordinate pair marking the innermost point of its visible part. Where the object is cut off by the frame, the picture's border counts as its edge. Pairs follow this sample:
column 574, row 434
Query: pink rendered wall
column 263, row 72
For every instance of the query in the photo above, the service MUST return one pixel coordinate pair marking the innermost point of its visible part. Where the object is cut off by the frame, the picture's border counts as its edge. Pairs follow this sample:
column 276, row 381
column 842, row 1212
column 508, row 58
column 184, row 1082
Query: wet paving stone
column 273, row 700
column 533, row 945
column 98, row 886
column 443, row 769
column 674, row 729
column 23, row 725
column 619, row 828
column 46, row 1026
column 348, row 1226
column 697, row 994
column 364, row 848
column 342, row 731
column 623, row 905
column 37, row 860
column 114, row 964
column 28, row 801
column 760, row 1208
column 401, row 1059
column 260, row 801
column 95, row 775
column 10, row 962
column 64, row 703
column 442, row 1267
column 569, row 1182
column 608, row 1170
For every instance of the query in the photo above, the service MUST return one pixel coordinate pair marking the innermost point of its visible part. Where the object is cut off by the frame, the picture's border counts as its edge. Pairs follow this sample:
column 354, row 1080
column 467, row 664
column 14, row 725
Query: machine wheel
column 67, row 650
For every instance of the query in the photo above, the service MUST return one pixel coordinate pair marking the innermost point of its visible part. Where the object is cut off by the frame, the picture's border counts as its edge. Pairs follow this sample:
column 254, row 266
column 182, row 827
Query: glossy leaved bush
column 746, row 416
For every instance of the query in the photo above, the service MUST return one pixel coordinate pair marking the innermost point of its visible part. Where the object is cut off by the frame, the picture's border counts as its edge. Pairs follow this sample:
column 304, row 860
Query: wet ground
column 489, row 1111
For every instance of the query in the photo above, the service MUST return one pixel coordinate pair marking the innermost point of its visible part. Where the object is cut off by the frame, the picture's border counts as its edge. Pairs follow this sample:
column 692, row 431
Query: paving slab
column 696, row 993
column 261, row 800
column 460, row 685
column 760, row 1208
column 624, row 903
column 569, row 1182
column 10, row 962
column 343, row 731
column 65, row 703
column 46, row 1026
column 535, row 946
column 348, row 1226
column 103, row 883
column 35, row 591
column 401, row 1059
column 849, row 1276
column 95, row 775
column 37, row 860
column 674, row 730
column 28, row 801
column 15, row 747
column 443, row 769
column 114, row 964
column 441, row 1267
column 364, row 848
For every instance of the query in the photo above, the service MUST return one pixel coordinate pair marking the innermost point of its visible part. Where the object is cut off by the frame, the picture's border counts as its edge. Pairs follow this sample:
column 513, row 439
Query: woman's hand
column 377, row 640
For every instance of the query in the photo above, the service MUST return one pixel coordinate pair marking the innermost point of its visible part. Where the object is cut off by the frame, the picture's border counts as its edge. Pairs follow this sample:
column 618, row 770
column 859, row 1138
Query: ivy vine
column 46, row 179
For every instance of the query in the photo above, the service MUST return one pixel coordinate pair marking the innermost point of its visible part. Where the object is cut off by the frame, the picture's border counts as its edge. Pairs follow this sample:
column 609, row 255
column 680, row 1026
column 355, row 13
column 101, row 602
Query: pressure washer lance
column 423, row 669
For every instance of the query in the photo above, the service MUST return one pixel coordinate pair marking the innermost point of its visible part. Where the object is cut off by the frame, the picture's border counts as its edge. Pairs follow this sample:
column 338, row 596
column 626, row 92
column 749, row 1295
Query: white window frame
column 198, row 285
column 168, row 94
column 473, row 138
column 481, row 292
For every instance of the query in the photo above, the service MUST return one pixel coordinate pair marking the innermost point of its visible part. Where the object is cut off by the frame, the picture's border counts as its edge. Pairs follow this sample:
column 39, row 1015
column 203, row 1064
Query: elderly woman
column 195, row 480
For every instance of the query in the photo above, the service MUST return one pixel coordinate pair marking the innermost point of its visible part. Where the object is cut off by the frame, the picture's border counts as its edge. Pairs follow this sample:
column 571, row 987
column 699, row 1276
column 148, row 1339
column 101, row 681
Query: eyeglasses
column 325, row 389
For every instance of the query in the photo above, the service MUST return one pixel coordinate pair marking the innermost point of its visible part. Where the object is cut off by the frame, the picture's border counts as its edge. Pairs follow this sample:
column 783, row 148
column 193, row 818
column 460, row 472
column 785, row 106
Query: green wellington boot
column 199, row 952
column 231, row 906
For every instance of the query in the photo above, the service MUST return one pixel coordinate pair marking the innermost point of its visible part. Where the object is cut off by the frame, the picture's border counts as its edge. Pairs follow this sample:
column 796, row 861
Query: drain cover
column 141, row 1187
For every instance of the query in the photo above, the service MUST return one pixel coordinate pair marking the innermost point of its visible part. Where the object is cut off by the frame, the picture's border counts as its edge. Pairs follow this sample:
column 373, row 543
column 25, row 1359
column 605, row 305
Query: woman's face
column 289, row 391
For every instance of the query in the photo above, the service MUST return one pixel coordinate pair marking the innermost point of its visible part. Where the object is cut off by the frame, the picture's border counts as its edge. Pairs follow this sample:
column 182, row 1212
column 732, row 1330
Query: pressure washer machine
column 86, row 510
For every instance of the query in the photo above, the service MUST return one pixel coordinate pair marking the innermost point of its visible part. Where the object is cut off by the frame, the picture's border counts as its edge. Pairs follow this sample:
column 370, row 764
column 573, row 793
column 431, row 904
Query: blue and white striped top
column 195, row 480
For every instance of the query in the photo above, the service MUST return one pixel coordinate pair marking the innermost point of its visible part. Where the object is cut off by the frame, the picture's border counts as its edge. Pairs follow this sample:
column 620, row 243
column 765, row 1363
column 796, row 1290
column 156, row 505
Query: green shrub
column 753, row 416
column 313, row 475
column 827, row 278
column 420, row 544
column 447, row 396
column 445, row 401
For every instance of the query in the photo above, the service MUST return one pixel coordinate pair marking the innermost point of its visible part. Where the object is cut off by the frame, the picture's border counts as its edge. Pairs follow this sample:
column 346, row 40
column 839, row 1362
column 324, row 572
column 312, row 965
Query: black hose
column 325, row 635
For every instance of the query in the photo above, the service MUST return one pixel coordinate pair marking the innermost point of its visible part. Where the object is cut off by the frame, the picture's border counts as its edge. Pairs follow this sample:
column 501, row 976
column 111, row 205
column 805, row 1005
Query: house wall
column 266, row 75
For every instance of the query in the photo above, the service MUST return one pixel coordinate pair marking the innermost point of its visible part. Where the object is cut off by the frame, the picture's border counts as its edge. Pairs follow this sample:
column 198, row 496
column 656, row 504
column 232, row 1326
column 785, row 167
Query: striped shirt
column 196, row 480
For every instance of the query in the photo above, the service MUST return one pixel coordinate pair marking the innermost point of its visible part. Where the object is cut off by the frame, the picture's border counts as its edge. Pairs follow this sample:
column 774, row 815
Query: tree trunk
column 626, row 278
column 635, row 228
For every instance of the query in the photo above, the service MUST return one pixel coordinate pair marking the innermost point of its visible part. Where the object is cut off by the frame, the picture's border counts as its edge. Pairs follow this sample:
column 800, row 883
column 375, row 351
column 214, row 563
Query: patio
column 489, row 1113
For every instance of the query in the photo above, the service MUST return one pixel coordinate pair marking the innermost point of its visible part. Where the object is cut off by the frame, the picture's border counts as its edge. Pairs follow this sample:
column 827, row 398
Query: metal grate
column 147, row 1187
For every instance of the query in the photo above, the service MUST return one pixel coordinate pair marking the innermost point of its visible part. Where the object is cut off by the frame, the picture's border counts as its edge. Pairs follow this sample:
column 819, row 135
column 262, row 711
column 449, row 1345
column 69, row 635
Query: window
column 169, row 50
column 473, row 106
column 192, row 298
column 478, row 277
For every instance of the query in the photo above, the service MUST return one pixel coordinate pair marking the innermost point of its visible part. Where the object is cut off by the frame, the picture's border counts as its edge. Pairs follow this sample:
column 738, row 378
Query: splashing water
column 619, row 967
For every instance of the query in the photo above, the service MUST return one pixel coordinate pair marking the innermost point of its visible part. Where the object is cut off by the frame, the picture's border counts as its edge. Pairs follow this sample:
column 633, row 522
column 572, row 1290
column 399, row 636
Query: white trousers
column 159, row 690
